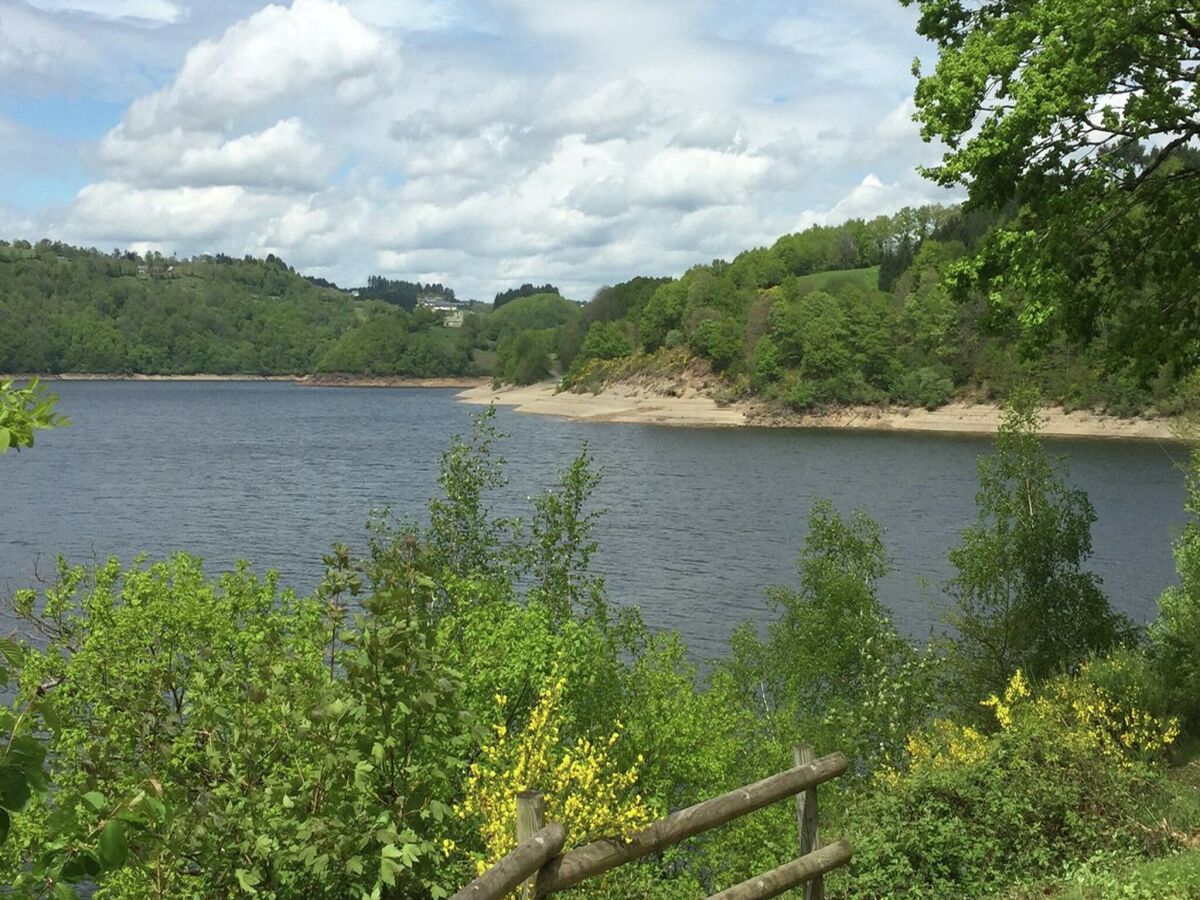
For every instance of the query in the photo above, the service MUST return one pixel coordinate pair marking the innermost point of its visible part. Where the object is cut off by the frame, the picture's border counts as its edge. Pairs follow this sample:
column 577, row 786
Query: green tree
column 1046, row 105
column 1175, row 634
column 833, row 671
column 605, row 340
column 1022, row 597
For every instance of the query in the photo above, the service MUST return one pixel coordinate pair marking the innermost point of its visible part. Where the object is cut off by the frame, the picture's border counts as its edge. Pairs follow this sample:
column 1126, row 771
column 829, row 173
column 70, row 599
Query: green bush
column 605, row 340
column 974, row 814
column 1175, row 635
column 925, row 387
column 720, row 340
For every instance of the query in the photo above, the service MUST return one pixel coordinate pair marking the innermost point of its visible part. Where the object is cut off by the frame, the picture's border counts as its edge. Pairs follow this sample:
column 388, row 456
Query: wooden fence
column 538, row 867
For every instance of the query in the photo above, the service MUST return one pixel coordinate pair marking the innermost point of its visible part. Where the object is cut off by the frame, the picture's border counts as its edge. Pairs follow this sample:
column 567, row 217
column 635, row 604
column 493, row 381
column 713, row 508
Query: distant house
column 449, row 311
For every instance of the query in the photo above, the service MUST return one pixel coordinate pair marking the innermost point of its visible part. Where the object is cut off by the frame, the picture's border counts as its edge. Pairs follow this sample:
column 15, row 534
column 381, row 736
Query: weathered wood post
column 806, row 822
column 531, row 818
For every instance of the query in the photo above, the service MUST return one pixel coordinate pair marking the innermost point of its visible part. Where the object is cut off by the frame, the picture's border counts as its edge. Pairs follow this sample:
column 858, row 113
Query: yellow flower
column 583, row 789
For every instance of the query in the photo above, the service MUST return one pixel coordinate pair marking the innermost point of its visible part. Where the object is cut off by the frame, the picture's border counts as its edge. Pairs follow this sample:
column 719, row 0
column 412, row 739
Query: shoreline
column 324, row 380
column 624, row 405
column 690, row 406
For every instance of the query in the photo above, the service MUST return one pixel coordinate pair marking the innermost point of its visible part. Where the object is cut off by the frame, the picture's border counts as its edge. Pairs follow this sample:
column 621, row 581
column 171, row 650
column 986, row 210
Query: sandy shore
column 613, row 405
column 631, row 405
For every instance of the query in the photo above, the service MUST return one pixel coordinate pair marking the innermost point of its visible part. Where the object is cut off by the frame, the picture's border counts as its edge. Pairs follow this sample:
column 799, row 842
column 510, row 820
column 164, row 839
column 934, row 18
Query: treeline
column 868, row 312
column 403, row 293
column 525, row 290
column 70, row 309
column 174, row 734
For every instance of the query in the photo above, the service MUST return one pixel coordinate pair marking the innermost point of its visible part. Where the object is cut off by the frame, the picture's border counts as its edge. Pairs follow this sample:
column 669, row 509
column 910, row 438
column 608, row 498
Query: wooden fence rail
column 557, row 872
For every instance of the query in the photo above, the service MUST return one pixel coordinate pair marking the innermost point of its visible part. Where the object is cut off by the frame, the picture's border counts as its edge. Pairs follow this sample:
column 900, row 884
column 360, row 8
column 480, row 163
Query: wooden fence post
column 806, row 822
column 531, row 818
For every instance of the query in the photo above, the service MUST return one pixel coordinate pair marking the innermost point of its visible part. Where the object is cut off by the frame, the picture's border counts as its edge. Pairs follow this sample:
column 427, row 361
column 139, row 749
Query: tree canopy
column 1083, row 118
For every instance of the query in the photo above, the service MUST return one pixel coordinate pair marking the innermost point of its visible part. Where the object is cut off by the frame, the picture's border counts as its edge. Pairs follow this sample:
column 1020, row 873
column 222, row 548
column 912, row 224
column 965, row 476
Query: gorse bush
column 584, row 790
column 1059, row 775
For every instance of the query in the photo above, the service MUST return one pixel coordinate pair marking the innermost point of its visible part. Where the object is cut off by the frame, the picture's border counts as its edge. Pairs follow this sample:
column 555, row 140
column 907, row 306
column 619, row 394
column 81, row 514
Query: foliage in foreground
column 23, row 411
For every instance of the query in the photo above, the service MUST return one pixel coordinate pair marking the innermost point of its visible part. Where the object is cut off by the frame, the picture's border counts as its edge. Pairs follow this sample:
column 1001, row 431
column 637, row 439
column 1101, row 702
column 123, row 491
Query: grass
column 1176, row 876
column 864, row 279
column 1172, row 876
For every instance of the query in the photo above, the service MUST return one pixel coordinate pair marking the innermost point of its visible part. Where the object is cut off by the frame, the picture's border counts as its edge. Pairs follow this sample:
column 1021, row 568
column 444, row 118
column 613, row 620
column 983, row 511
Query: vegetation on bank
column 174, row 734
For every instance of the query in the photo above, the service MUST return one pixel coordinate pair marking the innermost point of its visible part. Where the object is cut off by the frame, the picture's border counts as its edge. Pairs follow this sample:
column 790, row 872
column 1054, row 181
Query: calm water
column 696, row 521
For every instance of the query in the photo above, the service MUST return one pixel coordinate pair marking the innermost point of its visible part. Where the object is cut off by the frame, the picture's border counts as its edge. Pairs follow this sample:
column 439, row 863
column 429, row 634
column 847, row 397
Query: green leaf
column 5, row 821
column 14, row 788
column 114, row 847
column 5, row 440
column 95, row 800
column 247, row 879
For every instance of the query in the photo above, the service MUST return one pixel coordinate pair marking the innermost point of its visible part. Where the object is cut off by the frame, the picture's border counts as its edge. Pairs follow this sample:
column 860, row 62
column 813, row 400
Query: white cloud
column 278, row 54
column 567, row 140
column 283, row 156
column 115, row 212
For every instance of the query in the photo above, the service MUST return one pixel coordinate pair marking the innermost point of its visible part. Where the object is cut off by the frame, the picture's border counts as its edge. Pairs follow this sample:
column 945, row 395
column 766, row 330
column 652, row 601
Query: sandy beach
column 639, row 406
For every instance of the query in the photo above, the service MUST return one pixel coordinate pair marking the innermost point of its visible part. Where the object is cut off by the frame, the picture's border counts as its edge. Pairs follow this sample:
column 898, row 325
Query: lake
column 696, row 523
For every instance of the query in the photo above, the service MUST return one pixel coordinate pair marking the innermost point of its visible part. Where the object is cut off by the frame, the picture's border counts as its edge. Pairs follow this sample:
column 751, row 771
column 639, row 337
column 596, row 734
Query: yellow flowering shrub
column 1081, row 717
column 1061, row 776
column 584, row 790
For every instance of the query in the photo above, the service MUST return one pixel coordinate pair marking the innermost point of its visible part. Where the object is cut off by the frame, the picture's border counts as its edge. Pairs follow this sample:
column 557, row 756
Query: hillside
column 875, row 313
column 68, row 309
column 861, row 314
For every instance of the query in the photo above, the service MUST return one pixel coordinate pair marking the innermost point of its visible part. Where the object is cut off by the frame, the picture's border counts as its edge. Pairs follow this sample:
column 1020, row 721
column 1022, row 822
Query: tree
column 1048, row 104
column 833, row 670
column 1023, row 599
column 1175, row 634
column 24, row 411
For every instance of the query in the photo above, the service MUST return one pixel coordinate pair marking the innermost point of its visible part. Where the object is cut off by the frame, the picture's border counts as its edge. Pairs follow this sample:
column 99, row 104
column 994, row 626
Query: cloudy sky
column 481, row 143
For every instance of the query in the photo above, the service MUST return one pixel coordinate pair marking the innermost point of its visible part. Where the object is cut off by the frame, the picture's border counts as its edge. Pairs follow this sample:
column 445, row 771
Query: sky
column 476, row 143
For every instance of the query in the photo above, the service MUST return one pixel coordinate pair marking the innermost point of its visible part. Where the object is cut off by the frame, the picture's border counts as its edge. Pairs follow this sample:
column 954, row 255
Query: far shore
column 638, row 404
column 324, row 380
column 627, row 405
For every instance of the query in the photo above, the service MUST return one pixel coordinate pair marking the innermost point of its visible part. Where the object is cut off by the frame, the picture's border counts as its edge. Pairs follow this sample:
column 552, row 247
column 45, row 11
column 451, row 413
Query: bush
column 720, row 340
column 766, row 368
column 972, row 814
column 605, row 340
column 1175, row 635
column 924, row 387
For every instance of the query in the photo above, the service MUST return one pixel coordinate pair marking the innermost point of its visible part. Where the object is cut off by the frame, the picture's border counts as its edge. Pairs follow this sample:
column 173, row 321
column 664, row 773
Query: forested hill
column 862, row 313
column 66, row 309
column 888, row 311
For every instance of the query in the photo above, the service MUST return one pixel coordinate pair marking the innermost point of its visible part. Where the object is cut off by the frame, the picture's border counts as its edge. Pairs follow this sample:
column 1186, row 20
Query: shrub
column 1175, row 634
column 973, row 813
column 585, row 792
column 720, row 340
column 766, row 368
column 923, row 387
column 605, row 340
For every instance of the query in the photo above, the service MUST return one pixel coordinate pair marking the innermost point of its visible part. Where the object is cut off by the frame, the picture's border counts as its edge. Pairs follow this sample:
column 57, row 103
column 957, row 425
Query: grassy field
column 866, row 279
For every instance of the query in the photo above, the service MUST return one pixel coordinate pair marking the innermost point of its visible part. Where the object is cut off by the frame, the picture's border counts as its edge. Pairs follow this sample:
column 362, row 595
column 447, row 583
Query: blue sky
column 479, row 143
